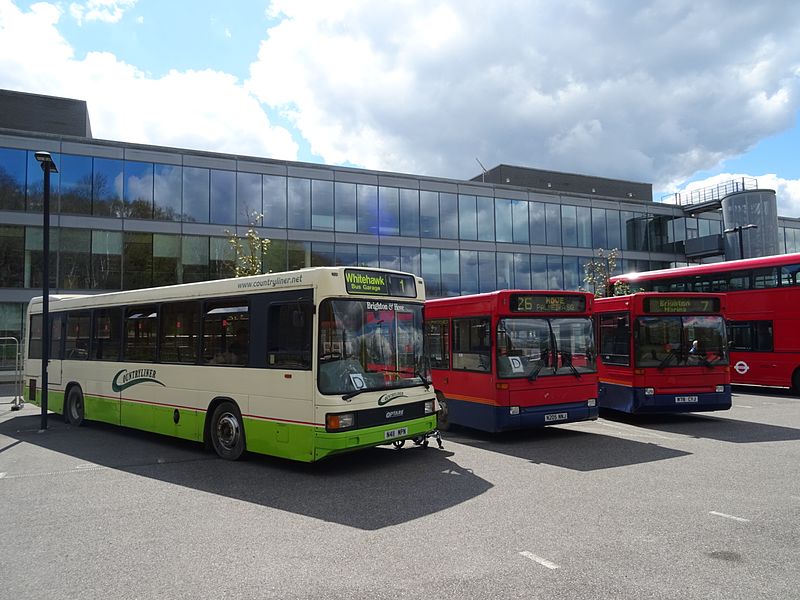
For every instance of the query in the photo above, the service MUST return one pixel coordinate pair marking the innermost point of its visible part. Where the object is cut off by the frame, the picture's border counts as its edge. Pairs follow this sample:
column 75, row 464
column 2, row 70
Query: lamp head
column 45, row 159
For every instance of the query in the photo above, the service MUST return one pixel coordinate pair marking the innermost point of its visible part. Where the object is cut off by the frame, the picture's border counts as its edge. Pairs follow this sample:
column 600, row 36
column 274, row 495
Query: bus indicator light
column 649, row 392
column 514, row 410
column 591, row 402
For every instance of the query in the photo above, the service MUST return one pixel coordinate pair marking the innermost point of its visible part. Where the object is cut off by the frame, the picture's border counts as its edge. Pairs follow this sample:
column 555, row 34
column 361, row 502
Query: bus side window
column 437, row 343
column 77, row 338
column 471, row 344
column 289, row 336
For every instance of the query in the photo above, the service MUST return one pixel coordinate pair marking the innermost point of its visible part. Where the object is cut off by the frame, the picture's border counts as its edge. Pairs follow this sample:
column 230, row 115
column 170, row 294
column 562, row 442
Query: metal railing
column 17, row 403
column 711, row 193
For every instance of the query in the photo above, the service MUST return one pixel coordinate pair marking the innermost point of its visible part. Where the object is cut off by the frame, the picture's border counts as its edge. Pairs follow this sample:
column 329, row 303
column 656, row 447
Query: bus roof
column 287, row 280
column 500, row 293
column 722, row 267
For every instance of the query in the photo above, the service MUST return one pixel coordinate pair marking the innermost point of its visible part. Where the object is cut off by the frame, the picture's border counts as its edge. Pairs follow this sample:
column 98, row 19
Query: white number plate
column 555, row 417
column 393, row 434
column 685, row 399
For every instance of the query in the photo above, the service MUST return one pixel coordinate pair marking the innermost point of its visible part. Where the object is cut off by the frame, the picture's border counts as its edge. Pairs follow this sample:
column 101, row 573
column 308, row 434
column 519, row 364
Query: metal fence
column 711, row 193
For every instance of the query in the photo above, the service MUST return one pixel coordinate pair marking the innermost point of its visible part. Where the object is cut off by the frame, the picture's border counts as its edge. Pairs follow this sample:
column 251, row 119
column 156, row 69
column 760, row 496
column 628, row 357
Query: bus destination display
column 546, row 303
column 375, row 283
column 681, row 305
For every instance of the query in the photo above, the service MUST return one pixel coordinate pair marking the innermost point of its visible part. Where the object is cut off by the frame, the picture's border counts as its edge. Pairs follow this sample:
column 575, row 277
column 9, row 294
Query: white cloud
column 646, row 91
column 205, row 110
column 107, row 11
column 787, row 191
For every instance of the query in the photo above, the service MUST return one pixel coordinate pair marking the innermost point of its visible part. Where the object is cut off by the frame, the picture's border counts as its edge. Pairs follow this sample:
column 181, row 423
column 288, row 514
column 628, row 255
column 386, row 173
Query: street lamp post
column 738, row 230
column 48, row 166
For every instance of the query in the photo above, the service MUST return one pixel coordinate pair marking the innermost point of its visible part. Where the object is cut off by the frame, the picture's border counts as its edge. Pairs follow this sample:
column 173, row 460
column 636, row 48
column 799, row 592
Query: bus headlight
column 649, row 392
column 514, row 410
column 591, row 402
column 719, row 389
column 340, row 421
column 429, row 407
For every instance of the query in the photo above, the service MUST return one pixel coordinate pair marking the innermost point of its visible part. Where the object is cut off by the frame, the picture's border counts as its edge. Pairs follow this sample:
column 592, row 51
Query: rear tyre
column 442, row 417
column 227, row 431
column 74, row 407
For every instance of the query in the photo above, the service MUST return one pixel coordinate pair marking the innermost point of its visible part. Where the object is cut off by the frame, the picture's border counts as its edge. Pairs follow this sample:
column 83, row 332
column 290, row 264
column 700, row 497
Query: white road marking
column 86, row 466
column 719, row 514
column 538, row 559
column 2, row 475
column 742, row 406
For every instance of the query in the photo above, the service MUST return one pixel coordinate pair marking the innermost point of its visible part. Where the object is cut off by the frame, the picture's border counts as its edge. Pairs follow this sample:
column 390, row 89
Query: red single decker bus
column 512, row 359
column 662, row 353
column 762, row 307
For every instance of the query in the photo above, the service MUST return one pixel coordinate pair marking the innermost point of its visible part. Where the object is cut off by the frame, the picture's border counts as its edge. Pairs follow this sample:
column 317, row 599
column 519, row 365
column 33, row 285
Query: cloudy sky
column 678, row 93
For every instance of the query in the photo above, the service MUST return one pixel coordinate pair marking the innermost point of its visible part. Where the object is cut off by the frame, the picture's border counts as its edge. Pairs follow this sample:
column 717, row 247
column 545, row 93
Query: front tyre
column 74, row 410
column 227, row 431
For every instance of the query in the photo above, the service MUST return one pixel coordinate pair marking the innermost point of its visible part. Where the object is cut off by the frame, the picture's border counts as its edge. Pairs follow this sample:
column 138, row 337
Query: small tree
column 249, row 249
column 599, row 270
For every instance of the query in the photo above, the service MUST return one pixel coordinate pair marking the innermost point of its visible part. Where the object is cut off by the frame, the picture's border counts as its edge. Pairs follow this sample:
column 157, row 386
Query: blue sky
column 677, row 93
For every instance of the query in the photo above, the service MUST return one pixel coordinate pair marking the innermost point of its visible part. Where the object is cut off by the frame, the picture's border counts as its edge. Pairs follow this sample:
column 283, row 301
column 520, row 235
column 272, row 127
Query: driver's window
column 289, row 336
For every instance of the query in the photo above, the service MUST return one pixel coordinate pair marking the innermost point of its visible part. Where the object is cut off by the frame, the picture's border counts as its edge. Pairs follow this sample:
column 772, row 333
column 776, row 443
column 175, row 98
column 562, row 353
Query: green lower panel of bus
column 55, row 399
column 303, row 443
column 286, row 440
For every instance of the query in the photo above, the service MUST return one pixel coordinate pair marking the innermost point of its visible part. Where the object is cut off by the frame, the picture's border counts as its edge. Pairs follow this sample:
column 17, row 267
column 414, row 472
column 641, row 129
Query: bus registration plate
column 685, row 399
column 393, row 434
column 555, row 417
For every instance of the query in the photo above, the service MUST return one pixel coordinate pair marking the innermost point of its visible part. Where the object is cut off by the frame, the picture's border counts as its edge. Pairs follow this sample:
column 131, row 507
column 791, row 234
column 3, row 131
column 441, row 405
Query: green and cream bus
column 300, row 365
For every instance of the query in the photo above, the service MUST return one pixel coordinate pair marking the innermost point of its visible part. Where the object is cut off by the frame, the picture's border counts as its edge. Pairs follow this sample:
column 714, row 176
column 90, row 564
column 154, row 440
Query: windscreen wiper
column 355, row 393
column 574, row 370
column 534, row 373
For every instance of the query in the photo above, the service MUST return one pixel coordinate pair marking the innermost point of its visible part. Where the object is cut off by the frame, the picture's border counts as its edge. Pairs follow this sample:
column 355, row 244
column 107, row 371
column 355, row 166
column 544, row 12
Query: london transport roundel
column 741, row 367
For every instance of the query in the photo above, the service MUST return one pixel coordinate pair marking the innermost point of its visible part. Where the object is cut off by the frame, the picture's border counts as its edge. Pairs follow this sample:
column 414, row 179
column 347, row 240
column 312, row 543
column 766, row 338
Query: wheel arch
column 67, row 390
column 210, row 413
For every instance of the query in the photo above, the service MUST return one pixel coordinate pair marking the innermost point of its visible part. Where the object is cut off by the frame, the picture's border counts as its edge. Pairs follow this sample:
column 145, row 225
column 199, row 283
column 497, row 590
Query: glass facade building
column 126, row 216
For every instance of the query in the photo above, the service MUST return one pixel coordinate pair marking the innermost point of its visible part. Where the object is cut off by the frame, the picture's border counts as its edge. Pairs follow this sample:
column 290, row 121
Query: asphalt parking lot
column 686, row 506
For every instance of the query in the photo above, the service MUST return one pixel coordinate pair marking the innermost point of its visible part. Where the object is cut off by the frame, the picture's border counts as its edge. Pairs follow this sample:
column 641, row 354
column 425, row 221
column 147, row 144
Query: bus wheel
column 74, row 410
column 442, row 421
column 227, row 431
column 399, row 443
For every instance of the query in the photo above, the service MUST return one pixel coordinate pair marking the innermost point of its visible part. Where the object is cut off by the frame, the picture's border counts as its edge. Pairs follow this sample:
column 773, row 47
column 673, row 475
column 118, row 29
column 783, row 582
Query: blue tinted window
column 448, row 216
column 505, row 271
column 388, row 211
column 299, row 203
column 569, row 226
column 167, row 192
column 485, row 206
column 248, row 199
column 553, row 219
column 138, row 189
column 223, row 197
column 390, row 257
column 555, row 273
column 367, row 198
column 410, row 260
column 274, row 192
column 519, row 210
column 451, row 284
column 502, row 220
column 409, row 212
column 12, row 179
column 368, row 256
column 469, row 272
column 584, row 227
column 346, row 255
column 537, row 218
column 539, row 272
column 487, row 271
column 572, row 279
column 429, row 214
column 467, row 217
column 599, row 237
column 322, row 254
column 76, row 184
column 322, row 205
column 612, row 226
column 522, row 271
column 298, row 255
column 432, row 272
column 345, row 202
column 196, row 189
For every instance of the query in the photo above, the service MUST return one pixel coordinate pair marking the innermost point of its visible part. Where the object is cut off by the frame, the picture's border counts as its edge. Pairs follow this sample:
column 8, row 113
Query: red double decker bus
column 662, row 353
column 512, row 359
column 762, row 300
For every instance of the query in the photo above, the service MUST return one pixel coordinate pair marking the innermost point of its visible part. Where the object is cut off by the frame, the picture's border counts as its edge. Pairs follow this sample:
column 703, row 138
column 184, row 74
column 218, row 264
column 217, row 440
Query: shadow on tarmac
column 369, row 489
column 708, row 427
column 566, row 448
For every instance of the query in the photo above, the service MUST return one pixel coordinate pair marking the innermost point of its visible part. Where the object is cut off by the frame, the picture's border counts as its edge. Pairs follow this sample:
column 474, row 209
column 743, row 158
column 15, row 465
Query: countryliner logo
column 386, row 398
column 125, row 379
